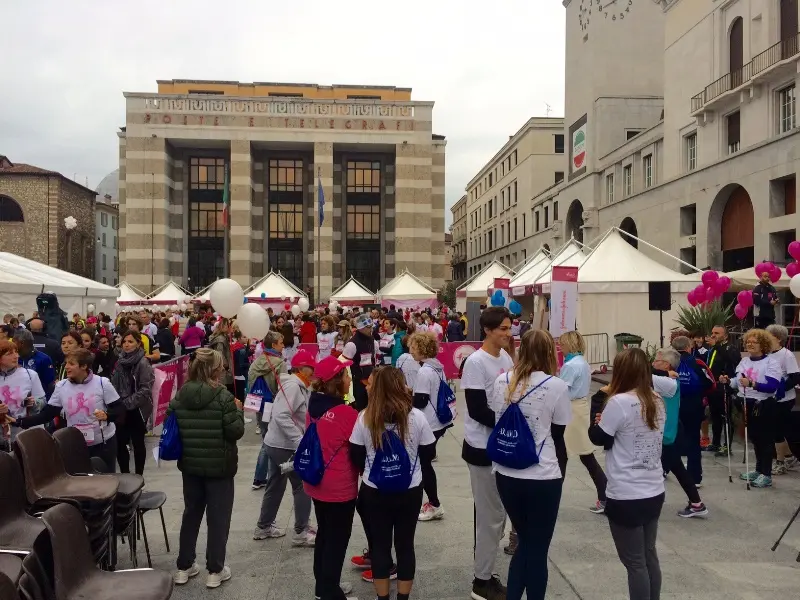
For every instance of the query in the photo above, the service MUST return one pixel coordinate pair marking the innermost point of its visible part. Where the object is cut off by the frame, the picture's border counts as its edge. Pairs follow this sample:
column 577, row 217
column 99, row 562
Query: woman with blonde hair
column 631, row 429
column 210, row 421
column 389, row 433
column 575, row 372
column 531, row 496
column 345, row 333
column 758, row 376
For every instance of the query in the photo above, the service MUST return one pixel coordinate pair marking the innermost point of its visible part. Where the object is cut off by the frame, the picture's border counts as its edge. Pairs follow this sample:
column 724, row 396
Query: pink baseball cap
column 329, row 367
column 303, row 358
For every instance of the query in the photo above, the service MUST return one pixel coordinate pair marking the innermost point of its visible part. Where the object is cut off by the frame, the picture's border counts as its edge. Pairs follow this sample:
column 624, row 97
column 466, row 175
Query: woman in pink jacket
column 192, row 337
column 335, row 496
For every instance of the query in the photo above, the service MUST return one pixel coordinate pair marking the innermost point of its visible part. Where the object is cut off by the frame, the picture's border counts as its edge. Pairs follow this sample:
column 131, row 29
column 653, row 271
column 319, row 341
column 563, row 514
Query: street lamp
column 70, row 223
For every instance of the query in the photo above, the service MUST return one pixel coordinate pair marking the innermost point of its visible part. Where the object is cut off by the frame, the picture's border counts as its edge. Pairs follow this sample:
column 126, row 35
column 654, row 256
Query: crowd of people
column 354, row 425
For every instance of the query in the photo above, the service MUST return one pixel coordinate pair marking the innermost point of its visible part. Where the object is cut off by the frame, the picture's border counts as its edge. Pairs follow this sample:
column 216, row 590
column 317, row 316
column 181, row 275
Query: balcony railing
column 783, row 50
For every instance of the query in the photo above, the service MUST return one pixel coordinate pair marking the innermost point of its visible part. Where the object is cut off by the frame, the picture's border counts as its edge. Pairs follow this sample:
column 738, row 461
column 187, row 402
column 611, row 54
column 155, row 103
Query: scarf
column 122, row 377
column 571, row 355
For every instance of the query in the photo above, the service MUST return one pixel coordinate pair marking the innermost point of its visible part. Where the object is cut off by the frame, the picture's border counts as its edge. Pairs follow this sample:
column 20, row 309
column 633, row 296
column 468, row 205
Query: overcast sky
column 488, row 66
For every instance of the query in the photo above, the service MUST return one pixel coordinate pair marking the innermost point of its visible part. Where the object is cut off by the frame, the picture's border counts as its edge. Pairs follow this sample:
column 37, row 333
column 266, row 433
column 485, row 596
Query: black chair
column 11, row 567
column 8, row 588
column 152, row 501
column 18, row 530
column 75, row 574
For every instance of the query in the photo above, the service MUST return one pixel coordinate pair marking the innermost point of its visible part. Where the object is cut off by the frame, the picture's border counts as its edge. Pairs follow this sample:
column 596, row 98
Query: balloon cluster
column 744, row 300
column 515, row 308
column 793, row 269
column 711, row 288
column 498, row 299
column 773, row 269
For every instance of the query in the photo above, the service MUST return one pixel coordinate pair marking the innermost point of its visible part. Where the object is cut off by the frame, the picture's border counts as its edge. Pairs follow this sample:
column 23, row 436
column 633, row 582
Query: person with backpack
column 388, row 443
column 631, row 429
column 285, row 431
column 334, row 490
column 210, row 422
column 479, row 372
column 575, row 372
column 433, row 397
column 532, row 409
column 696, row 383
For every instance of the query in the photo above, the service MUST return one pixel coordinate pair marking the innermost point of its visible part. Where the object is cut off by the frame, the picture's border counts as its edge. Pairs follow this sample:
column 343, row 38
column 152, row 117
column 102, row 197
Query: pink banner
column 563, row 300
column 168, row 379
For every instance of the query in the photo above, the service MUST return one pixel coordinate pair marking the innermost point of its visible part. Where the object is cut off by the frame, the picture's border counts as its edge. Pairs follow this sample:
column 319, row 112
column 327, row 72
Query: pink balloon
column 720, row 287
column 740, row 311
column 709, row 277
column 711, row 293
column 745, row 298
column 692, row 300
column 775, row 274
column 794, row 251
column 763, row 267
column 792, row 269
column 700, row 294
column 725, row 282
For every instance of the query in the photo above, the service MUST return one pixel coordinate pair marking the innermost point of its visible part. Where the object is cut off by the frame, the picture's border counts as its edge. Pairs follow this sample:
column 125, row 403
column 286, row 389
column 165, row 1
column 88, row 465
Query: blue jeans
column 532, row 505
column 262, row 464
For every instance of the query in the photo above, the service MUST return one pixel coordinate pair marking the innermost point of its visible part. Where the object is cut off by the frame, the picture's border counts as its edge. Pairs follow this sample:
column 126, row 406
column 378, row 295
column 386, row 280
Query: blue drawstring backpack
column 511, row 443
column 170, row 446
column 309, row 462
column 391, row 470
column 261, row 389
column 444, row 398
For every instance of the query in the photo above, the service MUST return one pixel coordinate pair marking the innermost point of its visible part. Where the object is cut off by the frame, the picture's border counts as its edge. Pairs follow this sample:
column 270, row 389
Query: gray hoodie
column 288, row 422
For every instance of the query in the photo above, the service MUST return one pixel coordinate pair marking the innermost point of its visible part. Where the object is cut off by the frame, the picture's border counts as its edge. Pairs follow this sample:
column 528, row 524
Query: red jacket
column 308, row 333
column 335, row 422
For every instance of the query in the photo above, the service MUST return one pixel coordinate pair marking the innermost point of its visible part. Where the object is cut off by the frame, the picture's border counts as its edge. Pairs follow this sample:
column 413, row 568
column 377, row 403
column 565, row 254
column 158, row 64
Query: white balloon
column 90, row 308
column 296, row 310
column 794, row 286
column 117, row 307
column 332, row 306
column 187, row 299
column 253, row 320
column 226, row 297
column 303, row 304
column 283, row 298
column 183, row 306
column 103, row 301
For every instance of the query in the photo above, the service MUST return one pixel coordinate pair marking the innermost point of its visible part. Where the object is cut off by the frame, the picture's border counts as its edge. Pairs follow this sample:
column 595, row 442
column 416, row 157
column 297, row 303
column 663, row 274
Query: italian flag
column 226, row 198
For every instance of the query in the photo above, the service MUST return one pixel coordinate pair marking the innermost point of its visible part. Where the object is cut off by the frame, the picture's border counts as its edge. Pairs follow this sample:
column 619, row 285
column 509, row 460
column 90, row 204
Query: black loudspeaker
column 660, row 293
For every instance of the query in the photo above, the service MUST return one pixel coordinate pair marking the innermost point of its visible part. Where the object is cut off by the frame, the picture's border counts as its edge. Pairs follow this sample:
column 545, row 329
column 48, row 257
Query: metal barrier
column 596, row 348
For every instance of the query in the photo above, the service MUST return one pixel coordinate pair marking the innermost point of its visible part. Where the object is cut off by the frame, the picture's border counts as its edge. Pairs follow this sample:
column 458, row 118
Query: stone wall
column 28, row 239
column 78, row 202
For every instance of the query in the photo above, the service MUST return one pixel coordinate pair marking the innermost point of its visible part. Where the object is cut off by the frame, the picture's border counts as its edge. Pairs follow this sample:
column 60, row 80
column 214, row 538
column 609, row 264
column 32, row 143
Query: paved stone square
column 724, row 557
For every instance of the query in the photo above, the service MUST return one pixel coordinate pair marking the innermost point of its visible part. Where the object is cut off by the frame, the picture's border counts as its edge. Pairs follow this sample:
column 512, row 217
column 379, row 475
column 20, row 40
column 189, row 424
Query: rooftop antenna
column 548, row 110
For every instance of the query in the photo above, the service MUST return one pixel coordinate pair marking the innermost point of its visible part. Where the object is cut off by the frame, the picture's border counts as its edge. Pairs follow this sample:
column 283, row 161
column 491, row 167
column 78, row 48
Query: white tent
column 476, row 287
column 613, row 284
column 745, row 279
column 22, row 279
column 204, row 296
column 407, row 291
column 353, row 293
column 528, row 272
column 129, row 294
column 274, row 288
column 570, row 255
column 167, row 295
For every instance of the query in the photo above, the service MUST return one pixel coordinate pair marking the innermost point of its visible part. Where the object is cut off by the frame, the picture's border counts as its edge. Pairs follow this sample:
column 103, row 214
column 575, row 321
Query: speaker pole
column 661, row 326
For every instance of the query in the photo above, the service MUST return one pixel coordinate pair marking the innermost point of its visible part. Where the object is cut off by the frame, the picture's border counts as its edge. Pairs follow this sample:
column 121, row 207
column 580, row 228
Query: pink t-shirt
column 340, row 481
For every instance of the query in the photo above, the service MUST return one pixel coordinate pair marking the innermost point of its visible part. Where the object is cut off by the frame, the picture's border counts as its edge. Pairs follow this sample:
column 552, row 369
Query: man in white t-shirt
column 480, row 371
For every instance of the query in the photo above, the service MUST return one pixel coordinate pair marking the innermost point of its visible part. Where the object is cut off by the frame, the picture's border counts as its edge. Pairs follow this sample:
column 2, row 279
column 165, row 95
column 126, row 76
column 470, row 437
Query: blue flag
column 321, row 201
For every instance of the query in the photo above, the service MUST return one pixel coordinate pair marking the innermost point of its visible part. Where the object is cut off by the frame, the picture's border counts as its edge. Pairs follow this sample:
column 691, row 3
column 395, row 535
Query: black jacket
column 722, row 359
column 454, row 332
column 50, row 347
column 763, row 294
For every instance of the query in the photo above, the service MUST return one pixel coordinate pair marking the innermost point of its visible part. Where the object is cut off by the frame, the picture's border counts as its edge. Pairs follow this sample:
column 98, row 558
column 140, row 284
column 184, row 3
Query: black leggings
column 334, row 525
column 671, row 463
column 429, row 475
column 131, row 429
column 390, row 514
column 107, row 452
column 719, row 405
column 761, row 430
column 596, row 473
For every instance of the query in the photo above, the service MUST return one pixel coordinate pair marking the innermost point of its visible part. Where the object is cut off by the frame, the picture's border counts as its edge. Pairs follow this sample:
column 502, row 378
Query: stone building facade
column 372, row 150
column 33, row 205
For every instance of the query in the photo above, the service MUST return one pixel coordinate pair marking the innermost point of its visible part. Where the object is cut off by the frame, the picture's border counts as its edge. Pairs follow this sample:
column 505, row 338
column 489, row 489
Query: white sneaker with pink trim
column 430, row 512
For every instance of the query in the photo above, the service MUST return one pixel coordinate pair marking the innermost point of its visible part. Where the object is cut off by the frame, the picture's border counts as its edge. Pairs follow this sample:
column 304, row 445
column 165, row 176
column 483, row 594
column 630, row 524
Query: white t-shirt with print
column 788, row 364
column 80, row 400
column 633, row 465
column 547, row 404
column 428, row 379
column 480, row 372
column 757, row 370
column 409, row 367
column 17, row 386
column 419, row 434
column 326, row 342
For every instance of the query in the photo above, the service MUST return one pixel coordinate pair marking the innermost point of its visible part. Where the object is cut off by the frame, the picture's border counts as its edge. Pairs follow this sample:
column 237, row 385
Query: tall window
column 786, row 109
column 114, row 223
column 285, row 200
column 734, row 133
column 103, row 237
column 647, row 167
column 559, row 177
column 104, row 261
column 104, row 219
column 546, row 217
column 524, row 233
column 206, row 243
column 515, row 228
column 364, row 222
column 559, row 143
column 691, row 152
column 627, row 179
column 609, row 189
column 555, row 210
column 536, row 220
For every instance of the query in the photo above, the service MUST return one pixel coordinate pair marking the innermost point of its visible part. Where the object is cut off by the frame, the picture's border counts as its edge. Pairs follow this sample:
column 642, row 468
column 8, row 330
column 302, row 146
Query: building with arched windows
column 680, row 127
column 264, row 153
column 33, row 205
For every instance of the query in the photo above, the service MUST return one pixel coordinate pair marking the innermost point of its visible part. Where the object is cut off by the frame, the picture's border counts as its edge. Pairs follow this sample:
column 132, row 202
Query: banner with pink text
column 563, row 300
column 168, row 379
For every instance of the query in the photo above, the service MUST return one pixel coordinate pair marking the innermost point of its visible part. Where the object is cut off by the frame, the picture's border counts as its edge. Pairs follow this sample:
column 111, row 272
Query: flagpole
column 317, row 295
column 226, row 244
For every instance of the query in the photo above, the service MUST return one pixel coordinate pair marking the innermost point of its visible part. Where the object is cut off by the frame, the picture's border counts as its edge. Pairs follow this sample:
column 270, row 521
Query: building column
column 440, row 269
column 121, row 242
column 323, row 167
column 240, row 230
column 413, row 168
column 146, row 213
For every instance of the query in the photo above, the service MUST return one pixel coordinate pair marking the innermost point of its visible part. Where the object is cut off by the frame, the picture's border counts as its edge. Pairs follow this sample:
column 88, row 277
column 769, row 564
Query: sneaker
column 599, row 507
column 693, row 510
column 722, row 451
column 779, row 468
column 363, row 561
column 711, row 448
column 435, row 459
column 367, row 575
column 346, row 589
column 430, row 512
column 791, row 462
column 214, row 580
column 258, row 484
column 704, row 443
column 762, row 481
column 269, row 532
column 749, row 476
column 698, row 485
column 304, row 539
column 181, row 577
column 488, row 590
column 247, row 420
column 513, row 542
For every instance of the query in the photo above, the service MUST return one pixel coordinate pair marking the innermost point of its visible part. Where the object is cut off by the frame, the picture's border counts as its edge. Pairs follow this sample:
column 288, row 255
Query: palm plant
column 702, row 318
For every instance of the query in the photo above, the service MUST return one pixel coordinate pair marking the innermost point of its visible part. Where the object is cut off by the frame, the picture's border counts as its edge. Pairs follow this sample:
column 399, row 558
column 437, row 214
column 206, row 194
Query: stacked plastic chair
column 48, row 484
column 77, row 462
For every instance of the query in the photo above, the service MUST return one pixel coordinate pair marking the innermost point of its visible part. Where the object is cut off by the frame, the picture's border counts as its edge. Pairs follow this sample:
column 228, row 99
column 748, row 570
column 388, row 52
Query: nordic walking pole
column 746, row 454
column 727, row 430
column 789, row 524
